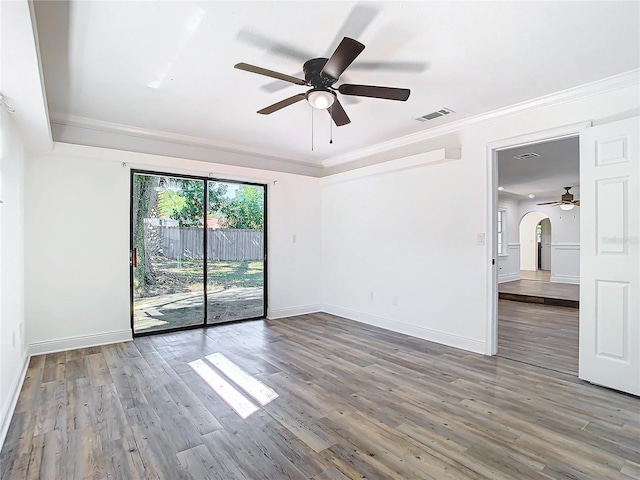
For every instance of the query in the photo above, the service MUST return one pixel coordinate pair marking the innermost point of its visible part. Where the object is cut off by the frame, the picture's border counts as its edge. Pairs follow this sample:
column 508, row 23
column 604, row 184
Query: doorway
column 543, row 237
column 198, row 251
column 533, row 244
column 537, row 315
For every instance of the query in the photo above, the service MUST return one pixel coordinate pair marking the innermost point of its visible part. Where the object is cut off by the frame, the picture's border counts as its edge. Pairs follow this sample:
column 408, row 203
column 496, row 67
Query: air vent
column 431, row 116
column 525, row 156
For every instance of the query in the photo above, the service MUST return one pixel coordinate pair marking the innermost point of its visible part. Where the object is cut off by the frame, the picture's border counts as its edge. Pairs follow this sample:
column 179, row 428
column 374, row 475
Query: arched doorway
column 544, row 244
column 535, row 242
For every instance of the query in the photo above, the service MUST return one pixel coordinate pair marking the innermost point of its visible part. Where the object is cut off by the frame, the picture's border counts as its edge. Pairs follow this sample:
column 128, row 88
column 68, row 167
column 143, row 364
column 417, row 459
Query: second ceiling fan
column 566, row 201
column 321, row 74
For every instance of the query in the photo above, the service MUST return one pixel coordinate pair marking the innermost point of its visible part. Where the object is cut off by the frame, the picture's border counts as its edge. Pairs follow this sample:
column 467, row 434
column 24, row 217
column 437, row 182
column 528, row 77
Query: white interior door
column 609, row 256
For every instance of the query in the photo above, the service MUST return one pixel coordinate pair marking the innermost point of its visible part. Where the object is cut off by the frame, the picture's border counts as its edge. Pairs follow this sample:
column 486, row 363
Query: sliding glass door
column 235, row 260
column 190, row 265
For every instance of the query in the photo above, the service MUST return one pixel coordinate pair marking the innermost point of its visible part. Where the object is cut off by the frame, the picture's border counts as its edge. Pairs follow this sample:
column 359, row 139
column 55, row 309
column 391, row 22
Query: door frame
column 567, row 131
column 265, row 274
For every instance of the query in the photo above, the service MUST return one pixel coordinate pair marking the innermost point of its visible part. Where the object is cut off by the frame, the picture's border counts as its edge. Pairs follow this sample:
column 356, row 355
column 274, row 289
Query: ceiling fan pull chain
column 331, row 126
column 312, row 129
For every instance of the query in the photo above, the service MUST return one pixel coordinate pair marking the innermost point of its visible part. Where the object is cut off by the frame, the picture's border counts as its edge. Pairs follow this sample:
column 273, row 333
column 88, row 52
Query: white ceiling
column 558, row 166
column 167, row 67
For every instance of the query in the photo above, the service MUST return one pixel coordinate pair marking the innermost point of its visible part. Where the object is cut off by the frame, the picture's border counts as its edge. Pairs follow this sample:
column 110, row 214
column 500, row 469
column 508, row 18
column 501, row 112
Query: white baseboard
column 274, row 313
column 82, row 341
column 451, row 340
column 509, row 277
column 574, row 279
column 15, row 393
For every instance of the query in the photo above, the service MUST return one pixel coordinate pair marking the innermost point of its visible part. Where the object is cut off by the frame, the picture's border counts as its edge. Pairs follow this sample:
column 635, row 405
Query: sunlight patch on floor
column 229, row 393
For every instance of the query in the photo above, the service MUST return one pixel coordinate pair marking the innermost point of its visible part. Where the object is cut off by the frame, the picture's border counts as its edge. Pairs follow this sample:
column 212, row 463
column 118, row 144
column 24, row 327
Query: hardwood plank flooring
column 542, row 335
column 354, row 402
column 536, row 288
column 539, row 275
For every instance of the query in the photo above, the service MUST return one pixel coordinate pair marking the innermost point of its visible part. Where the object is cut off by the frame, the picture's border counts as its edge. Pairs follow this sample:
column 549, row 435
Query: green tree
column 245, row 210
column 145, row 195
column 170, row 203
column 183, row 200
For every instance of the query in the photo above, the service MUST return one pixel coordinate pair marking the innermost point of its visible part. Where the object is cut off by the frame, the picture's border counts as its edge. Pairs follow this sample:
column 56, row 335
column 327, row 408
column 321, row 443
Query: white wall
column 12, row 348
column 565, row 239
column 509, row 262
column 404, row 234
column 77, row 242
column 413, row 234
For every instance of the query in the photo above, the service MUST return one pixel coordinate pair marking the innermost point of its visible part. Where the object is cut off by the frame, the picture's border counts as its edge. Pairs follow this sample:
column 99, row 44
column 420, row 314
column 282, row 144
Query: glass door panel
column 168, row 252
column 235, row 251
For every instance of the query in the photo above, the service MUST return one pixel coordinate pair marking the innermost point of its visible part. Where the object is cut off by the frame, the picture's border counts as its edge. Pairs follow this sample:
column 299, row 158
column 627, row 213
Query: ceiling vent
column 526, row 156
column 431, row 116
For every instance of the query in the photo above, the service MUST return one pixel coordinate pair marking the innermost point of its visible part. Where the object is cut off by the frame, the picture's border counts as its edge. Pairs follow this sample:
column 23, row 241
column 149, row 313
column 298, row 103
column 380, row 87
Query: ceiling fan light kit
column 320, row 99
column 567, row 206
column 321, row 74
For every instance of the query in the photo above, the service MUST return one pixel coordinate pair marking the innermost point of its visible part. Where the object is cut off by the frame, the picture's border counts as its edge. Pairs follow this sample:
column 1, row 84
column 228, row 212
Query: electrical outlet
column 372, row 296
column 294, row 238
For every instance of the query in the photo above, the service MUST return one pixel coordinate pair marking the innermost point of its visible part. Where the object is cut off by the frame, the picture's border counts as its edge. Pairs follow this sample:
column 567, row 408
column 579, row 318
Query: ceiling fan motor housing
column 312, row 73
column 567, row 197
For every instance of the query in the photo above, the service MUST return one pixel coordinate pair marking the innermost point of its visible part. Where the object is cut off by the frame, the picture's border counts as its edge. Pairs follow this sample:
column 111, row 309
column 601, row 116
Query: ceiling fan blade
column 355, row 24
column 389, row 93
column 281, row 104
column 276, row 86
column 550, row 203
column 269, row 73
column 346, row 53
column 338, row 114
column 576, row 203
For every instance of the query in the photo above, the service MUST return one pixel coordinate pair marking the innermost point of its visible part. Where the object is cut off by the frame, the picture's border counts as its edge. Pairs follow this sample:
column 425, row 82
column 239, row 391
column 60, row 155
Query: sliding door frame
column 204, row 324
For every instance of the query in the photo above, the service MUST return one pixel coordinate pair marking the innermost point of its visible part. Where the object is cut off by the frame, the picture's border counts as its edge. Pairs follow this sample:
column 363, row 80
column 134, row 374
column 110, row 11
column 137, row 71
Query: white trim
column 71, row 124
column 616, row 82
column 81, row 341
column 150, row 161
column 509, row 277
column 565, row 131
column 149, row 134
column 274, row 313
column 413, row 161
column 572, row 279
column 491, row 334
column 566, row 246
column 572, row 130
column 15, row 394
column 449, row 339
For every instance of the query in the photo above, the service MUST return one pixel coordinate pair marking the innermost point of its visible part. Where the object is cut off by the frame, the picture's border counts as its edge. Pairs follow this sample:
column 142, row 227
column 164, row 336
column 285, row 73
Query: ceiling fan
column 321, row 74
column 566, row 201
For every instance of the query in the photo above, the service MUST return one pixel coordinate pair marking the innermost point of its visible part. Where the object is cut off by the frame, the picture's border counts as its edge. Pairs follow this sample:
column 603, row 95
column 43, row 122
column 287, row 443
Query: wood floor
column 562, row 291
column 539, row 275
column 354, row 402
column 540, row 335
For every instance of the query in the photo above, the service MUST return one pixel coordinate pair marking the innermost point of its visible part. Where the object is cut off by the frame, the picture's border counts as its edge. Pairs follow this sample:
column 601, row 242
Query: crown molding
column 150, row 134
column 433, row 157
column 624, row 80
column 615, row 82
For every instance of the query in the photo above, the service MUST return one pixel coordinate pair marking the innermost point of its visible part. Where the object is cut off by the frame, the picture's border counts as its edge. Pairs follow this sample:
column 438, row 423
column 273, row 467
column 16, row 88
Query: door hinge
column 493, row 261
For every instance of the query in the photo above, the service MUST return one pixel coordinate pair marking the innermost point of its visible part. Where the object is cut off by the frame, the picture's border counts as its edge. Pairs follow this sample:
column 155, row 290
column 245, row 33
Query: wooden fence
column 187, row 243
